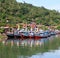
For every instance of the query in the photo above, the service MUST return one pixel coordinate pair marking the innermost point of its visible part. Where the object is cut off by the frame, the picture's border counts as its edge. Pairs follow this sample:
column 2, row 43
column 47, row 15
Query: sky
column 49, row 4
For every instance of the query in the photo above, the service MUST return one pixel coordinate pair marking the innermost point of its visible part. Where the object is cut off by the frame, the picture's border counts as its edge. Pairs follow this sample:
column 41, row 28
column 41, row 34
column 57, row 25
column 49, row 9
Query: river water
column 43, row 48
column 50, row 54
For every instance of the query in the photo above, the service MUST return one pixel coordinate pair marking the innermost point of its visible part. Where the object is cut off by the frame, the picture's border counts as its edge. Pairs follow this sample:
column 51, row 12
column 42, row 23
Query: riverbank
column 3, row 37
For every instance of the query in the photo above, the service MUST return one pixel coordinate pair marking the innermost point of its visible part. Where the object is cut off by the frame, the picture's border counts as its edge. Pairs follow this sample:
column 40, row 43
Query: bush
column 1, row 30
column 58, row 27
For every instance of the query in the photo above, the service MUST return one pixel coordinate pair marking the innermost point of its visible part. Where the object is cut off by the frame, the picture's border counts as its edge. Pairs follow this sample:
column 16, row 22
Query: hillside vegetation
column 16, row 12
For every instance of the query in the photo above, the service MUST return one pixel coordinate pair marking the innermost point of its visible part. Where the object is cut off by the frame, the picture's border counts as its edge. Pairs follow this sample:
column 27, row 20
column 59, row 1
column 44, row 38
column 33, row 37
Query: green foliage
column 19, row 12
column 1, row 30
column 58, row 27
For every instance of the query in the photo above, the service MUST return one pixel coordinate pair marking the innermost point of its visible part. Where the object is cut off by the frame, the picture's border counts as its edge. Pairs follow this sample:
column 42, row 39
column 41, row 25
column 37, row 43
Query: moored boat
column 24, row 35
column 10, row 36
column 31, row 35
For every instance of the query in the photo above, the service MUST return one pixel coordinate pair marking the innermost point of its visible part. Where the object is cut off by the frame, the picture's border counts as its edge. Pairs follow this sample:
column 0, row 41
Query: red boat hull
column 37, row 37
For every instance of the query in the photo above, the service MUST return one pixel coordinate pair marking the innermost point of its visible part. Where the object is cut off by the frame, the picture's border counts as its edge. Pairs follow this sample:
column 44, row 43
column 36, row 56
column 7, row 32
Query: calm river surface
column 43, row 48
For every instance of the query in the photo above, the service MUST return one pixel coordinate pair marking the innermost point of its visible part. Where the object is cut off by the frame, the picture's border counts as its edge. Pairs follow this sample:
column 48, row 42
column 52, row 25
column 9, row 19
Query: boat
column 31, row 35
column 14, row 35
column 37, row 36
column 24, row 35
column 10, row 36
column 52, row 33
column 28, row 35
column 42, row 34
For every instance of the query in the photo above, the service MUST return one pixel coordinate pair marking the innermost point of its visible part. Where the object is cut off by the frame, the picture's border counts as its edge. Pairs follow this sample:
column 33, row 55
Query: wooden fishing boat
column 31, row 35
column 41, row 35
column 52, row 33
column 24, row 35
column 10, row 36
column 14, row 35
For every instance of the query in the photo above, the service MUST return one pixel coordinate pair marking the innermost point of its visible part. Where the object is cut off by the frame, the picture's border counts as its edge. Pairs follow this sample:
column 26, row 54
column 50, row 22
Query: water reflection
column 43, row 48
column 51, row 54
